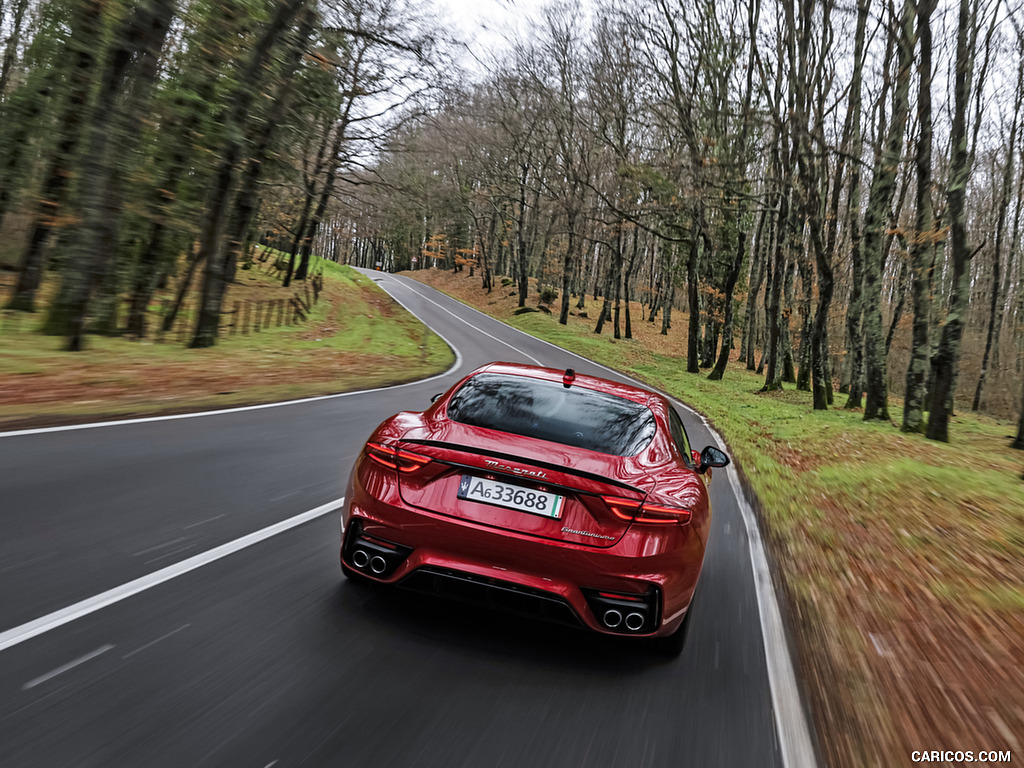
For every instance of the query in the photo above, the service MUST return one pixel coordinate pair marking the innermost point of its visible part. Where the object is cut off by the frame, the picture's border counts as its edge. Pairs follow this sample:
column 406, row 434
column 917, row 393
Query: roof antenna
column 568, row 378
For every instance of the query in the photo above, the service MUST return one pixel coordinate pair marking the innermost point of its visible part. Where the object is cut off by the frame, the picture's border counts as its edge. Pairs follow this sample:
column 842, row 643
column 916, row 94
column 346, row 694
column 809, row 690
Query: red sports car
column 569, row 498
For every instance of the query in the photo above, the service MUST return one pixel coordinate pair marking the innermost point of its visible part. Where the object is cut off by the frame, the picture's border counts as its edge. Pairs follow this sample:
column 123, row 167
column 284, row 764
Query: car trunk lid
column 587, row 483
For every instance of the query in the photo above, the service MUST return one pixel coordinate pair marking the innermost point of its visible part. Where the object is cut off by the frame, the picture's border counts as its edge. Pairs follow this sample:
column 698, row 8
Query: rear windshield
column 583, row 418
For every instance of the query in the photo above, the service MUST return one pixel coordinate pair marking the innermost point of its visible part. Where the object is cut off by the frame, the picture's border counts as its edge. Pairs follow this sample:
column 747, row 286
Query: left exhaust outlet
column 372, row 555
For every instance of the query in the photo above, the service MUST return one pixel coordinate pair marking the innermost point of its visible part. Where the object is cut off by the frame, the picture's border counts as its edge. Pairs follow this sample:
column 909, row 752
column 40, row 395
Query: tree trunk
column 730, row 285
column 758, row 253
column 945, row 361
column 693, row 299
column 803, row 378
column 13, row 41
column 84, row 45
column 605, row 314
column 668, row 290
column 617, row 258
column 994, row 314
column 192, row 261
column 568, row 265
column 900, row 288
column 922, row 246
column 93, row 242
column 785, row 338
column 523, row 281
column 773, row 375
column 1019, row 442
column 212, row 231
column 883, row 187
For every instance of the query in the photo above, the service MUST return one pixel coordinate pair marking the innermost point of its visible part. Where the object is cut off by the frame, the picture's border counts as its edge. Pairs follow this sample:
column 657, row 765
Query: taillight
column 641, row 512
column 624, row 509
column 655, row 513
column 396, row 458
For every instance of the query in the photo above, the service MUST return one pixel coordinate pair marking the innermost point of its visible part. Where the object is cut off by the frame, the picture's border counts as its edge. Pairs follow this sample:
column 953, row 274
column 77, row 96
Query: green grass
column 356, row 336
column 902, row 558
column 824, row 478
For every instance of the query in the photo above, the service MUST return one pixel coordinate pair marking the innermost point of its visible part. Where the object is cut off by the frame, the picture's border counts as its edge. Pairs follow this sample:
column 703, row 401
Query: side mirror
column 712, row 457
column 435, row 397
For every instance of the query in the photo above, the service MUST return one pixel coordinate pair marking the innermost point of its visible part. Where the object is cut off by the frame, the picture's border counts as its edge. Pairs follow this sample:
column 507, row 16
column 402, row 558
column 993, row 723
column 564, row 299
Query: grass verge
column 355, row 337
column 902, row 558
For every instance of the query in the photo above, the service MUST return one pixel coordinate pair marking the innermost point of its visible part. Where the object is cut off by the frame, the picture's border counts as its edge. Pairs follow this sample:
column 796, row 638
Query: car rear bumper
column 552, row 580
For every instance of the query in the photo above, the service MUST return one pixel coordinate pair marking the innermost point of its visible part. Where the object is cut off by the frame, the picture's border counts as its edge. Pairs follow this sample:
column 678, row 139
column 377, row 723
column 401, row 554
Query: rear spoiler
column 533, row 462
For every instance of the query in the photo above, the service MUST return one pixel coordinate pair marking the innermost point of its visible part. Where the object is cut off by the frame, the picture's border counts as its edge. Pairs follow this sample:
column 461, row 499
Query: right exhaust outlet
column 634, row 621
column 626, row 613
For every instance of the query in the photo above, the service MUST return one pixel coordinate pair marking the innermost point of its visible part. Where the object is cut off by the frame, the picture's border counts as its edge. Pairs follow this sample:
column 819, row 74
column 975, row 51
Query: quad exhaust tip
column 361, row 559
column 612, row 618
column 634, row 621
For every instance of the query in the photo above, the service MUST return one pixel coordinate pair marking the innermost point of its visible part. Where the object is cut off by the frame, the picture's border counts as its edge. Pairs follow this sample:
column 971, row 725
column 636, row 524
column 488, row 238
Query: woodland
column 831, row 193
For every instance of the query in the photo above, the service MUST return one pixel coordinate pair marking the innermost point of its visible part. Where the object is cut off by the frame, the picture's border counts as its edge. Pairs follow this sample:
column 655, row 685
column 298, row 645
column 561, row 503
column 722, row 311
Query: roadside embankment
column 902, row 558
column 353, row 336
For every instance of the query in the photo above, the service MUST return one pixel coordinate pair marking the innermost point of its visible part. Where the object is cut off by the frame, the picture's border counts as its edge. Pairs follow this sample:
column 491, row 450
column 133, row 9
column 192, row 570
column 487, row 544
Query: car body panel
column 588, row 548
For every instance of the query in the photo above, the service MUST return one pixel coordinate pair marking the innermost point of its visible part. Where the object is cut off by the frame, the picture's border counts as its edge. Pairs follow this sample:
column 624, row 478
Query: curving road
column 170, row 596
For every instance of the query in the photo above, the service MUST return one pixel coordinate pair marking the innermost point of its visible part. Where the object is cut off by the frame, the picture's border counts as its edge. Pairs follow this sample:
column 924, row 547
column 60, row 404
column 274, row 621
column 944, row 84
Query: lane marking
column 172, row 553
column 207, row 520
column 791, row 723
column 453, row 368
column 154, row 642
column 70, row 665
column 474, row 327
column 23, row 563
column 160, row 546
column 51, row 621
column 457, row 365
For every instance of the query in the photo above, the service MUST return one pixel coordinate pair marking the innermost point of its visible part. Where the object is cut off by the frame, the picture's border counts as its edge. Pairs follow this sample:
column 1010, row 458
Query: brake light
column 655, row 513
column 624, row 509
column 396, row 458
column 635, row 511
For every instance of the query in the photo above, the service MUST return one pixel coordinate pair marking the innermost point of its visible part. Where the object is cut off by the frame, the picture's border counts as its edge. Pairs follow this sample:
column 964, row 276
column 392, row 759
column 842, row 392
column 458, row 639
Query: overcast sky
column 485, row 24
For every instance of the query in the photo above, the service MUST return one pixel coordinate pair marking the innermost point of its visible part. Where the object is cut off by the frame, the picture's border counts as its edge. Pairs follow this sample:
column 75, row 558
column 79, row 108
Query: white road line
column 457, row 365
column 172, row 553
column 23, row 563
column 56, row 619
column 61, row 670
column 241, row 409
column 795, row 743
column 791, row 723
column 154, row 642
column 794, row 733
column 159, row 546
column 474, row 327
column 207, row 520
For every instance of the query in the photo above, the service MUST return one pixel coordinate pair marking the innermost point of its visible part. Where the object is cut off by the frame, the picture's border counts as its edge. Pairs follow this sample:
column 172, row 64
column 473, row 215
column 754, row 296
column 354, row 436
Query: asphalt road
column 261, row 655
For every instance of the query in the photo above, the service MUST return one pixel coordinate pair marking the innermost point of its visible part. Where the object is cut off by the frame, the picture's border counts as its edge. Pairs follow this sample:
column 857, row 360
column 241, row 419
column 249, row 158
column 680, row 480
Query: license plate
column 511, row 496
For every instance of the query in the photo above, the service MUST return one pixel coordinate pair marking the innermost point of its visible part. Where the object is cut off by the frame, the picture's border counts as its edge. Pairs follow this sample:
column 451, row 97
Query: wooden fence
column 250, row 316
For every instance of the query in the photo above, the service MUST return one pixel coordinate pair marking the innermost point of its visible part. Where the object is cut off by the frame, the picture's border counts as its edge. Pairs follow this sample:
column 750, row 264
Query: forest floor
column 902, row 559
column 354, row 337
